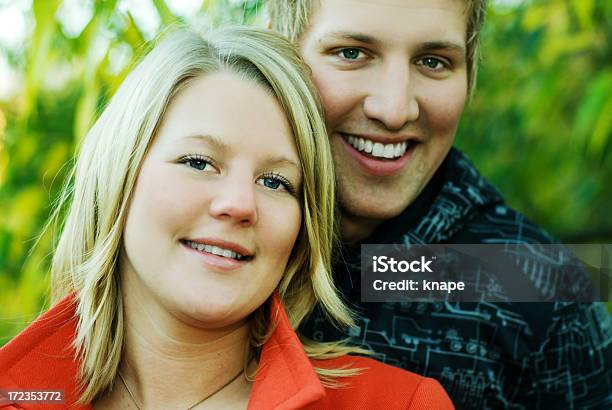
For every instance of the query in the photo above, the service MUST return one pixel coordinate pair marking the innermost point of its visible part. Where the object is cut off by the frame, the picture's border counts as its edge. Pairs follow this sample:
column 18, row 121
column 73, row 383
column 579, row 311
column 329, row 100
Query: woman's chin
column 214, row 312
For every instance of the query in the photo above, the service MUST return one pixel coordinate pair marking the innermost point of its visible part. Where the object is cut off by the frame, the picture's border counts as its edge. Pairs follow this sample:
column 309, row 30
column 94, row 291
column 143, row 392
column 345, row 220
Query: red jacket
column 41, row 358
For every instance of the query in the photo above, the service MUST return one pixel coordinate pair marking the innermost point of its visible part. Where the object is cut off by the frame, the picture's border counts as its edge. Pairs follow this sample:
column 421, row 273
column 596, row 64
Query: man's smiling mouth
column 378, row 149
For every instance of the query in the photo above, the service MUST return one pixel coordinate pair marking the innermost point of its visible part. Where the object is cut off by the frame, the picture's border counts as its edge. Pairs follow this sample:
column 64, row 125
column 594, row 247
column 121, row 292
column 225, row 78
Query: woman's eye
column 197, row 162
column 271, row 183
column 276, row 183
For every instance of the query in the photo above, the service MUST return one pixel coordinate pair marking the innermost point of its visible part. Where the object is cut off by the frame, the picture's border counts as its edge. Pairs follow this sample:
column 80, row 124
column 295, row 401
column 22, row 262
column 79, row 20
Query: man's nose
column 235, row 202
column 391, row 99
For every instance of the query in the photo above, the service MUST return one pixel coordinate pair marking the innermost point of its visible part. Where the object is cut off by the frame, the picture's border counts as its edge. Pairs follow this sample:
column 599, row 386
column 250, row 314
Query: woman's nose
column 235, row 202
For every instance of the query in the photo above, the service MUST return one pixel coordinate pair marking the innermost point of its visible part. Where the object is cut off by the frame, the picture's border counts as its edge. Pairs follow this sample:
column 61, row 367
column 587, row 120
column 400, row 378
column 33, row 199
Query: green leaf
column 591, row 109
column 167, row 17
column 584, row 12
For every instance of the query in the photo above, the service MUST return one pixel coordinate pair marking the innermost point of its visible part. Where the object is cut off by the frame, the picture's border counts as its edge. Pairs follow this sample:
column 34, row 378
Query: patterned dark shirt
column 554, row 355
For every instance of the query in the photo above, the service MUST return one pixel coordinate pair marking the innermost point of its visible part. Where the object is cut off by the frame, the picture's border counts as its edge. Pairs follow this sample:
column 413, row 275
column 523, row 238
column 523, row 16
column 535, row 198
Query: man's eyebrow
column 210, row 139
column 351, row 35
column 443, row 45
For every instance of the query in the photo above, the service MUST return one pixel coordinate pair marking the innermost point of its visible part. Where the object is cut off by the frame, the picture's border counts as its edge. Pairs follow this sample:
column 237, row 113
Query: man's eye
column 432, row 63
column 350, row 53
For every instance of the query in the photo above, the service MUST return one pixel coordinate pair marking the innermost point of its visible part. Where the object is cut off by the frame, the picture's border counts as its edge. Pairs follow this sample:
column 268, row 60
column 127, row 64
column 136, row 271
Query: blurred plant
column 540, row 124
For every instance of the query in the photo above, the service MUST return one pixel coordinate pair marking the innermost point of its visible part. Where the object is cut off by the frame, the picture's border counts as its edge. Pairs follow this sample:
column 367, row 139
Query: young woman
column 197, row 237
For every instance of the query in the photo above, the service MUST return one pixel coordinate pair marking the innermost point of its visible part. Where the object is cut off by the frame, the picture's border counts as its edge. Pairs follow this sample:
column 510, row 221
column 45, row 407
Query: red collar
column 42, row 357
column 285, row 377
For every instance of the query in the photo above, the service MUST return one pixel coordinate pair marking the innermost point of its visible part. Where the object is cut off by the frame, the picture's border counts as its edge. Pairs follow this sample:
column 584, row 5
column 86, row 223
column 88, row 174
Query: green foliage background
column 539, row 126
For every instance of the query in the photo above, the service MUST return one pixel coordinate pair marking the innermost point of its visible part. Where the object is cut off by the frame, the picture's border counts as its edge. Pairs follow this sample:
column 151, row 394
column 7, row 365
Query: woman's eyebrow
column 282, row 160
column 215, row 141
column 219, row 144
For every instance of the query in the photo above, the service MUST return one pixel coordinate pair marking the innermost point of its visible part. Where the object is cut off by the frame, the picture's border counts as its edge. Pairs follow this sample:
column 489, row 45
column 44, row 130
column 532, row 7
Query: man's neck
column 355, row 229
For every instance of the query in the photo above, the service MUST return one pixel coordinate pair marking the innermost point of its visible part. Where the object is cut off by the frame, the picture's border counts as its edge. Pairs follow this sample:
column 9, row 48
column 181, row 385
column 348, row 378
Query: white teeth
column 389, row 151
column 218, row 251
column 361, row 145
column 378, row 149
column 215, row 250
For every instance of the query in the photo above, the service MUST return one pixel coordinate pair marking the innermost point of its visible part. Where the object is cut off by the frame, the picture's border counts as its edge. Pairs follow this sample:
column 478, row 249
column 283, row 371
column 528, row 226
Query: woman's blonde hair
column 98, row 194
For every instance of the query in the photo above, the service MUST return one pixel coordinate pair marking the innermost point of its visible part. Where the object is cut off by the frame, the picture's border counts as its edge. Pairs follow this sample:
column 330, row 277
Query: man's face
column 393, row 80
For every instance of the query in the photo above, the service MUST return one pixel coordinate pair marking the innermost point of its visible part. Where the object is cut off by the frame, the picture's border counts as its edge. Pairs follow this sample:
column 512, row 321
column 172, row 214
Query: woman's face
column 215, row 211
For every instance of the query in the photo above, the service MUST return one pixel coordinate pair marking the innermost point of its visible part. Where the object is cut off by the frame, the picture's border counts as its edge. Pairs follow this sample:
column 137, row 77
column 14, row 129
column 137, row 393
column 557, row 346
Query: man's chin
column 358, row 222
column 366, row 206
column 379, row 206
column 381, row 214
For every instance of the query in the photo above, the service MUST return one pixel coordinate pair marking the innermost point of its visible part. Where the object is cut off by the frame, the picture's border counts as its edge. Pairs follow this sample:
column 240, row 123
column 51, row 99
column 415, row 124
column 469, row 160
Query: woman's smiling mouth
column 219, row 254
column 217, row 250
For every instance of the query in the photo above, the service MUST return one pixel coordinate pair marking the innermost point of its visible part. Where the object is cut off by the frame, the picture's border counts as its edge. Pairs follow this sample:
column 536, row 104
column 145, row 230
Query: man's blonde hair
column 98, row 193
column 291, row 19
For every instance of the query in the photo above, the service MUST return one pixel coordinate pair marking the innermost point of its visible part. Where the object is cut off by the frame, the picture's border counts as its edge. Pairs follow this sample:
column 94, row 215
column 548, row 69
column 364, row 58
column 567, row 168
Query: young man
column 394, row 76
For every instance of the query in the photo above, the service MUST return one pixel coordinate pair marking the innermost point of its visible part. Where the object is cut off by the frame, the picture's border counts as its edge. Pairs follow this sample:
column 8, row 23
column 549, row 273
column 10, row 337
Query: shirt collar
column 285, row 377
column 42, row 357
